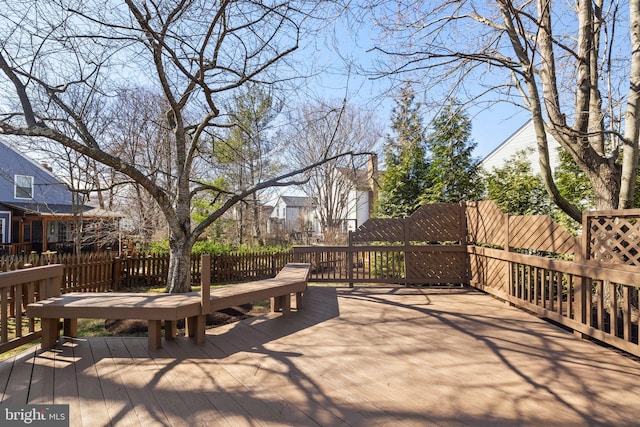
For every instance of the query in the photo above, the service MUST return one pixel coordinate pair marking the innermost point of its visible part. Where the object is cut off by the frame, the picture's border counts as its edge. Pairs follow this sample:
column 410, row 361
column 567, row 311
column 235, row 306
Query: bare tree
column 139, row 136
column 322, row 131
column 59, row 57
column 574, row 66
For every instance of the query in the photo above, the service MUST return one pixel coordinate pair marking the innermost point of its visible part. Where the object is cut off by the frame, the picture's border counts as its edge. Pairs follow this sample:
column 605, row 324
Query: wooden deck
column 363, row 357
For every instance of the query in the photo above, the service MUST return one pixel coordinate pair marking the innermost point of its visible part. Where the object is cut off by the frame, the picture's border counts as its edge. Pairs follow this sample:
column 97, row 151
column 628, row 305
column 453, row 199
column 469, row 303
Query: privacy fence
column 587, row 283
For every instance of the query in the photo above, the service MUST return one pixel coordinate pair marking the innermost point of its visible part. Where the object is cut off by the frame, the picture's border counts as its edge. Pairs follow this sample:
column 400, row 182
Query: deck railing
column 105, row 271
column 17, row 289
column 592, row 298
column 15, row 248
column 588, row 284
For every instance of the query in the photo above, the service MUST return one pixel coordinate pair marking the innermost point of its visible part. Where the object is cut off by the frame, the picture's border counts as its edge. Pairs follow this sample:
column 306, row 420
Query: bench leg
column 155, row 334
column 281, row 303
column 286, row 304
column 70, row 328
column 170, row 329
column 298, row 300
column 196, row 328
column 276, row 304
column 50, row 328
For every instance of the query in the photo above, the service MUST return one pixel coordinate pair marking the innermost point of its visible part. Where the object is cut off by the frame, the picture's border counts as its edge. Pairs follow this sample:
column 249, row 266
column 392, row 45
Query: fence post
column 350, row 259
column 405, row 248
column 116, row 267
column 507, row 248
column 464, row 236
column 582, row 290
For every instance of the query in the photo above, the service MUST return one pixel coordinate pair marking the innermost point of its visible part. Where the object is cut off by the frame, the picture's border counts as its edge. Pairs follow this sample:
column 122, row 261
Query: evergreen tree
column 245, row 155
column 453, row 171
column 516, row 189
column 406, row 170
column 574, row 186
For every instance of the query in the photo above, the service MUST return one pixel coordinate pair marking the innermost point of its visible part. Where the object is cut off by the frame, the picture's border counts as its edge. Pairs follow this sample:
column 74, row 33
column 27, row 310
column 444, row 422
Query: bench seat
column 120, row 305
column 155, row 308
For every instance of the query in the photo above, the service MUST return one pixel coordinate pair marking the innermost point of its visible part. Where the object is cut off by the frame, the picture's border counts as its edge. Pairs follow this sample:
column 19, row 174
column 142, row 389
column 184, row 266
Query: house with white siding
column 294, row 214
column 524, row 139
column 353, row 192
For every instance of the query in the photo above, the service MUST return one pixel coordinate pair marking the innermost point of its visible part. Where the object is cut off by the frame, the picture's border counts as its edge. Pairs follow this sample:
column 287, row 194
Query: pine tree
column 453, row 171
column 406, row 170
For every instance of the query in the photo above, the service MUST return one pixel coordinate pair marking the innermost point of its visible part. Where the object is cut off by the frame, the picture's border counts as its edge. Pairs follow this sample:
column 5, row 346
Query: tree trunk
column 179, row 277
column 606, row 186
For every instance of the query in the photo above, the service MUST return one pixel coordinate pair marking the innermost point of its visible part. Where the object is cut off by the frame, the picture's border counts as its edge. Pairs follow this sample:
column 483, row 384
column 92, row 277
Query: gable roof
column 298, row 201
column 358, row 177
column 47, row 188
column 51, row 196
column 522, row 139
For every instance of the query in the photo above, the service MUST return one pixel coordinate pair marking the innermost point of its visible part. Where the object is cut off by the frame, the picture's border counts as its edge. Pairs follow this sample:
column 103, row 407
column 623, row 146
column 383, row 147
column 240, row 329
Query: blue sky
column 344, row 63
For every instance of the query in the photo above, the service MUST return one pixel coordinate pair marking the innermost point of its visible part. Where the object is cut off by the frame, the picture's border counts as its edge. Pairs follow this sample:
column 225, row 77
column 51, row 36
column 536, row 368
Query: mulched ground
column 223, row 317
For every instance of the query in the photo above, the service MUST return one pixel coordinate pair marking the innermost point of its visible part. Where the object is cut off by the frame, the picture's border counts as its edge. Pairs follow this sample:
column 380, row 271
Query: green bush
column 216, row 248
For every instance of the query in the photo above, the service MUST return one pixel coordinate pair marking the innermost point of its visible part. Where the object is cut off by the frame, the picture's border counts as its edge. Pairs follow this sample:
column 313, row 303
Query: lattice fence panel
column 487, row 272
column 540, row 233
column 436, row 268
column 437, row 223
column 379, row 230
column 485, row 223
column 614, row 239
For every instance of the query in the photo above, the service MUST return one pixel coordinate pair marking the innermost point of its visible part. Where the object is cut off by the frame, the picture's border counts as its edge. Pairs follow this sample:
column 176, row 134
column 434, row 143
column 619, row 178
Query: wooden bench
column 156, row 308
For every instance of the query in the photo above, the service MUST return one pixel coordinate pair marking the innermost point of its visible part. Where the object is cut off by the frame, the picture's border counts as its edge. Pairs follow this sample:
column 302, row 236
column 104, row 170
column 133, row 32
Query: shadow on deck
column 362, row 356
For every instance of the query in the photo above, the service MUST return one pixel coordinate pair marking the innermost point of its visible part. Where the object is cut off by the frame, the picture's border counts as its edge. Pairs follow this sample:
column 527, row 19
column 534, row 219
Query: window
column 62, row 232
column 23, row 187
column 2, row 230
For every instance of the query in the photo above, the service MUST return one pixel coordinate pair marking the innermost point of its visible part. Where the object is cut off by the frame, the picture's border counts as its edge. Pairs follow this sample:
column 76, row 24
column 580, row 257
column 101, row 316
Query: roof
column 47, row 188
column 58, row 210
column 359, row 177
column 299, row 201
column 50, row 197
column 523, row 139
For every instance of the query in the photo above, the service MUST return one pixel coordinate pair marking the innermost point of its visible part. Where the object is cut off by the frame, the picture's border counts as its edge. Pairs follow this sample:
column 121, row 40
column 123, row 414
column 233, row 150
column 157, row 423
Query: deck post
column 195, row 328
column 205, row 284
column 508, row 279
column 170, row 329
column 350, row 259
column 582, row 290
column 196, row 325
column 299, row 296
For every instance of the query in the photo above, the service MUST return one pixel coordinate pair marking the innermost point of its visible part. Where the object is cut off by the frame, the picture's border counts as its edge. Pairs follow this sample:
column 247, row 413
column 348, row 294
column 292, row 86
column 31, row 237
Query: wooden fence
column 589, row 283
column 104, row 271
column 429, row 247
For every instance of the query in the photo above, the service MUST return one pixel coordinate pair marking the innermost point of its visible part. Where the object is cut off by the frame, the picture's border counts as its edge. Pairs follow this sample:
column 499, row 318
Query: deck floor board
column 364, row 357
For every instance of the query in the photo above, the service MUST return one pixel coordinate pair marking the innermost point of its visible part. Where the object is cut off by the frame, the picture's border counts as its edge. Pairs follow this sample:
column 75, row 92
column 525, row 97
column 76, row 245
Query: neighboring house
column 355, row 189
column 524, row 139
column 362, row 193
column 294, row 214
column 37, row 209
